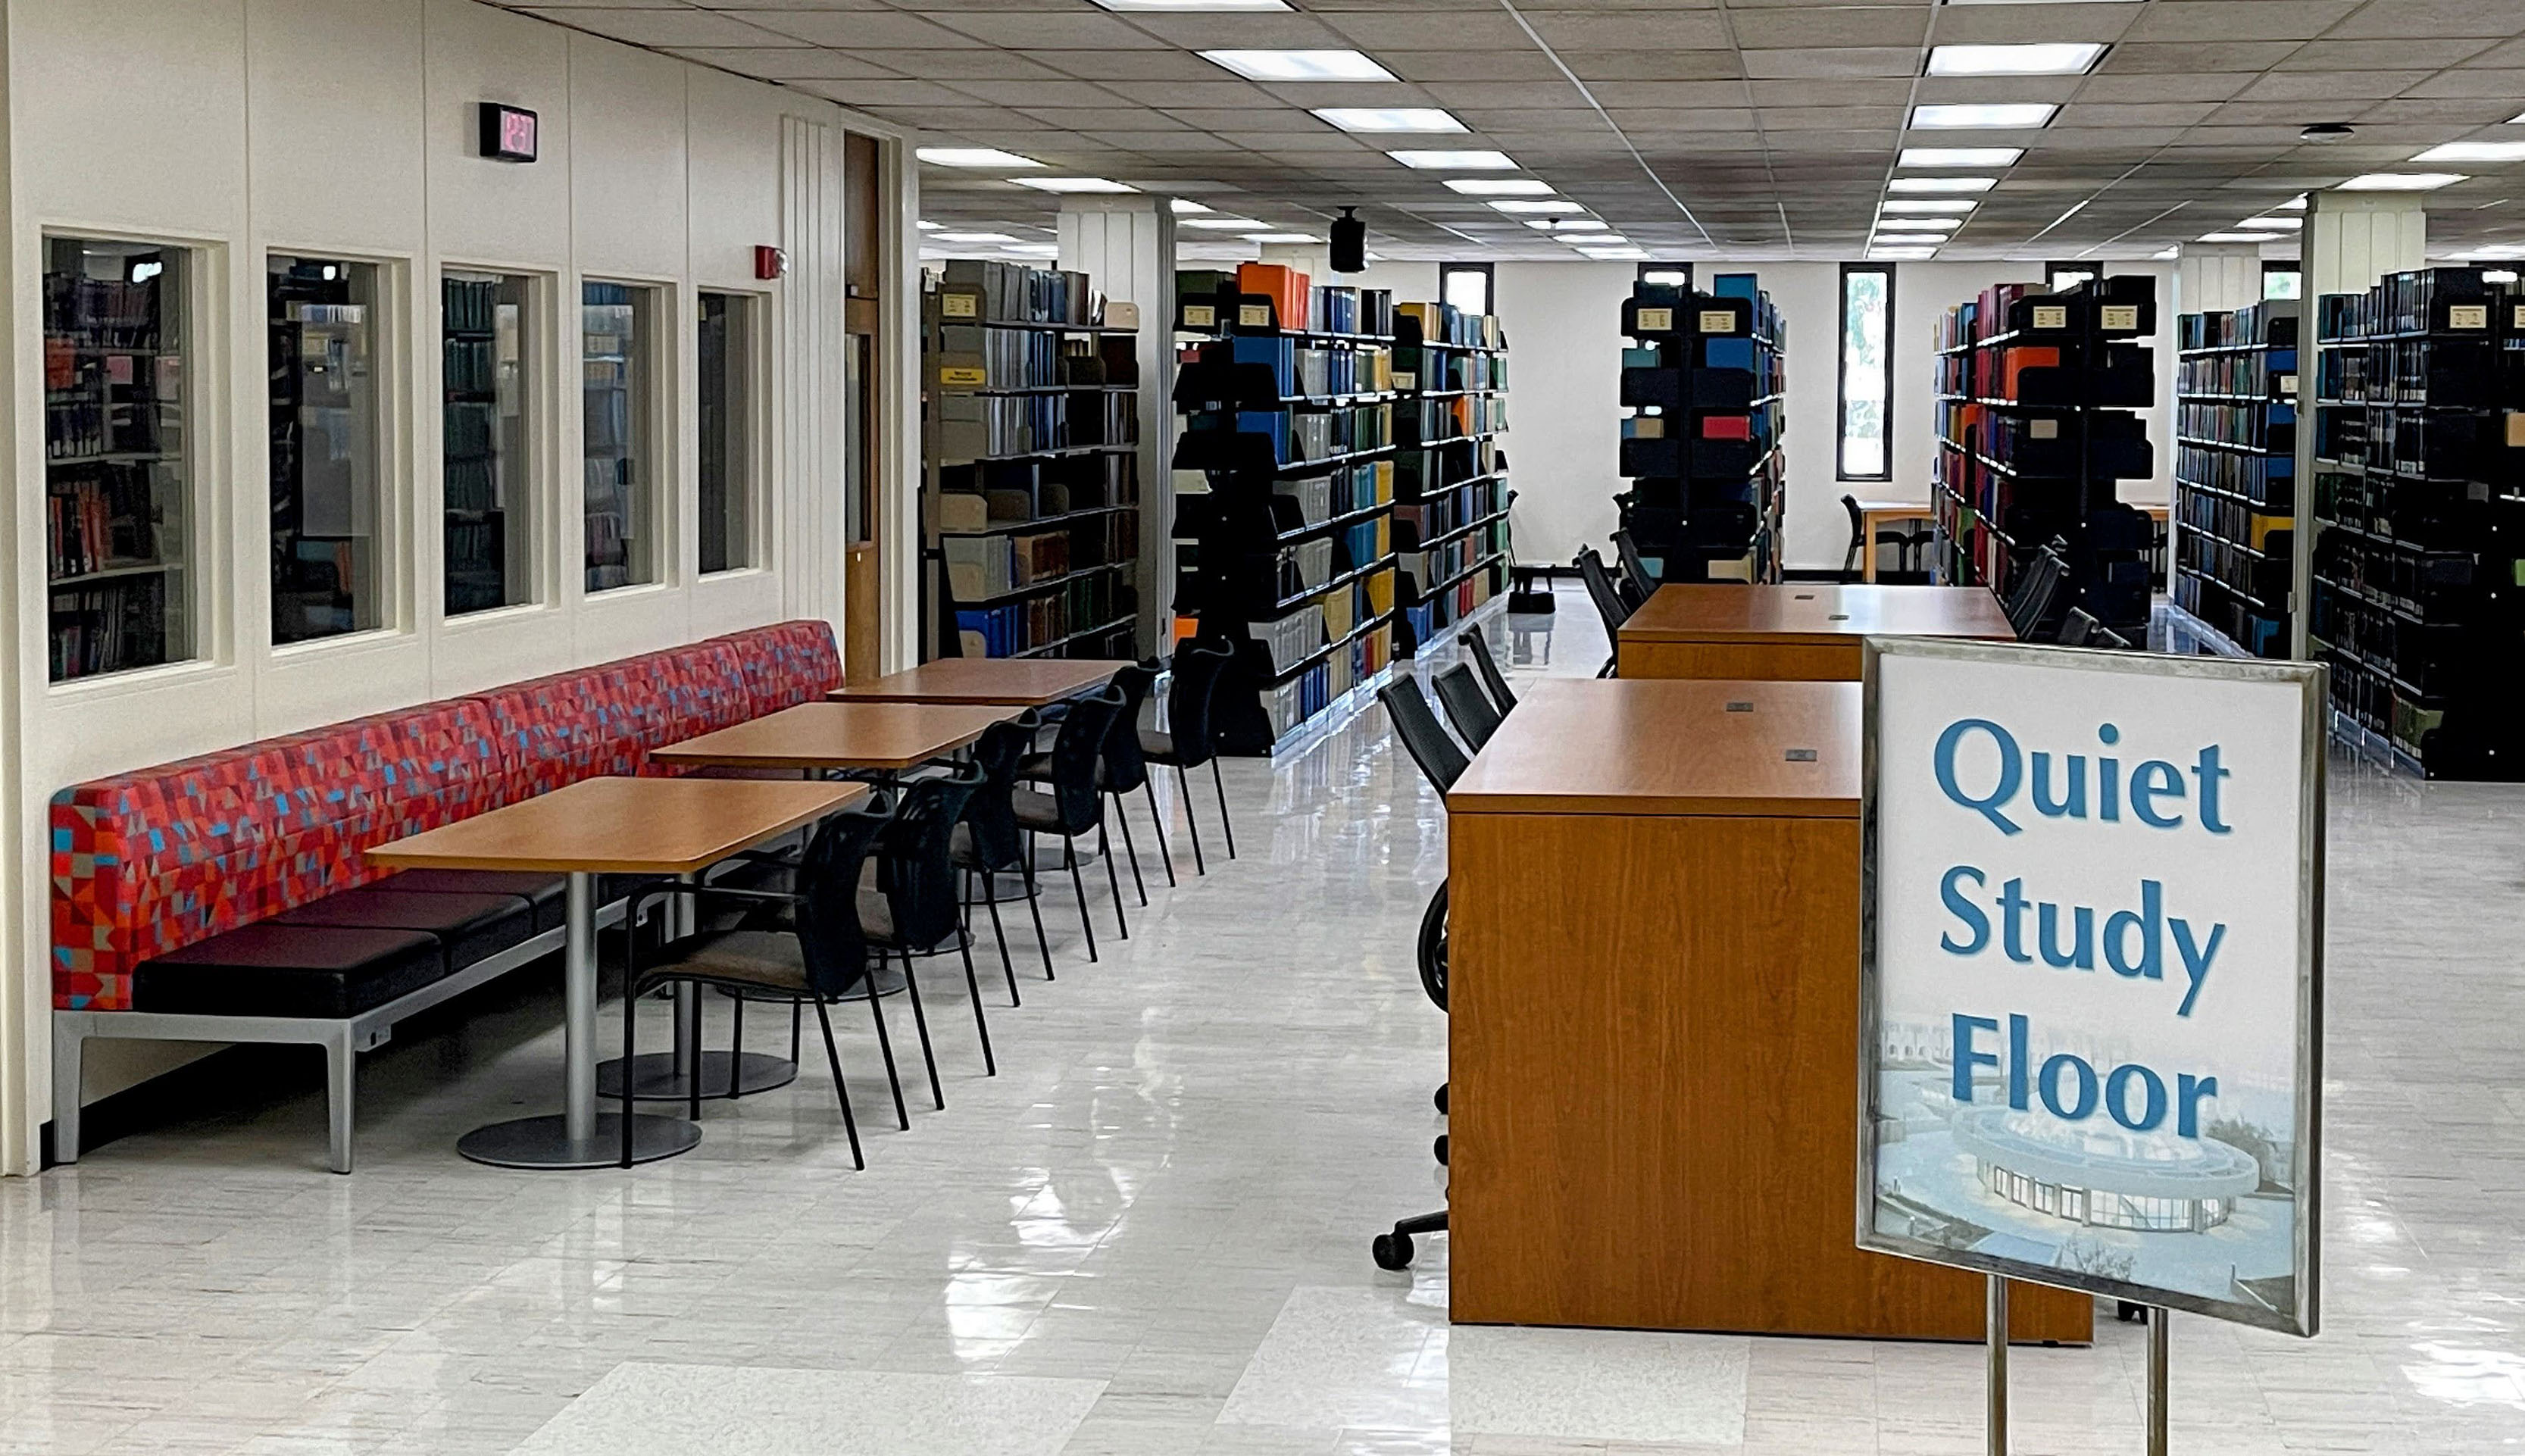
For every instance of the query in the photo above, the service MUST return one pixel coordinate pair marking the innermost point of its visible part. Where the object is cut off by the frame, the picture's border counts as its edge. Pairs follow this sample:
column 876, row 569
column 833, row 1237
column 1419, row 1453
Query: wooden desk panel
column 623, row 826
column 1028, row 681
column 1669, row 746
column 840, row 735
column 1795, row 632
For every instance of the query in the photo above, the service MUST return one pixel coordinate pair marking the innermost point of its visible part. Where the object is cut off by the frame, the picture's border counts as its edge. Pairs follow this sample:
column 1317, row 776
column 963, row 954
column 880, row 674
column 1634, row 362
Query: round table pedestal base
column 655, row 1078
column 545, row 1142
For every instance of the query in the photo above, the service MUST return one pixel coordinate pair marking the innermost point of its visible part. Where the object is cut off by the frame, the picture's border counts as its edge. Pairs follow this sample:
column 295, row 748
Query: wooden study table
column 612, row 825
column 1653, row 975
column 1025, row 682
column 1874, row 514
column 890, row 736
column 1798, row 631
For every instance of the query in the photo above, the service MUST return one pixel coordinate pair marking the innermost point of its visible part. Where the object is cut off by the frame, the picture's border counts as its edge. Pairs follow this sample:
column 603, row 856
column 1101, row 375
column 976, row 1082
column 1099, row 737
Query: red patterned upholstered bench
column 229, row 897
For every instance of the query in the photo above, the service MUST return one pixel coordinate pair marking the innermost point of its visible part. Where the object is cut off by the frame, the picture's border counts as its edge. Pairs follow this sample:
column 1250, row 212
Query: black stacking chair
column 1473, row 713
column 1186, row 742
column 1122, row 767
column 1478, row 648
column 1074, row 804
column 1610, row 606
column 1641, row 584
column 2078, row 628
column 1442, row 763
column 2030, row 602
column 988, row 843
column 804, row 943
column 1906, row 543
column 915, row 909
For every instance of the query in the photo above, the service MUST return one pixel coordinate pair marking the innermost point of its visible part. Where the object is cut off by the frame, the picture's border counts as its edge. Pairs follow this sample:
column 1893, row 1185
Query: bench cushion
column 467, row 928
column 275, row 970
column 546, row 894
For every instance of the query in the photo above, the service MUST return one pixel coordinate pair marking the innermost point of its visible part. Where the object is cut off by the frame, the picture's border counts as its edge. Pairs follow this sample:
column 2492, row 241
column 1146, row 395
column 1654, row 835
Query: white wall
column 344, row 128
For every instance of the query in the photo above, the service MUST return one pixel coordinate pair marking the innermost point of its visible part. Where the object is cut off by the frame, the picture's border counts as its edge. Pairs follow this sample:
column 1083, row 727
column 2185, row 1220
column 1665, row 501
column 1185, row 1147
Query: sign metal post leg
column 1994, row 1368
column 2159, row 1340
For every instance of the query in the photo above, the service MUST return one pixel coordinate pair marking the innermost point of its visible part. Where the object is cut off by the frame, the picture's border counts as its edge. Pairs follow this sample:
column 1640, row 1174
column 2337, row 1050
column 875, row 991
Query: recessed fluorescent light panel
column 2270, row 224
column 925, row 225
column 1388, row 119
column 1300, row 66
column 1897, row 255
column 1283, row 238
column 971, row 237
column 1033, row 250
column 1910, row 237
column 2400, row 182
column 973, row 157
column 2475, row 151
column 1946, row 116
column 1184, row 205
column 1072, row 184
column 1540, row 204
column 1456, row 161
column 1223, row 225
column 1942, row 184
column 2295, row 203
column 1503, row 187
column 1615, row 253
column 2046, row 58
column 1926, row 205
column 1192, row 5
column 2240, row 237
column 1961, row 156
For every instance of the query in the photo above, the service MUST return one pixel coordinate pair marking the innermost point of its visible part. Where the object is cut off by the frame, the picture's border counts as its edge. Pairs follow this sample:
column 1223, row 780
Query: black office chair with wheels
column 988, row 842
column 1185, row 743
column 1906, row 543
column 1074, row 804
column 1477, row 649
column 1611, row 608
column 805, row 943
column 1640, row 582
column 1467, row 708
column 1442, row 763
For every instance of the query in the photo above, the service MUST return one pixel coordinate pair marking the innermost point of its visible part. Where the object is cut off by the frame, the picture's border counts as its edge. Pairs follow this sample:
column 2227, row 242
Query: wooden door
column 864, row 278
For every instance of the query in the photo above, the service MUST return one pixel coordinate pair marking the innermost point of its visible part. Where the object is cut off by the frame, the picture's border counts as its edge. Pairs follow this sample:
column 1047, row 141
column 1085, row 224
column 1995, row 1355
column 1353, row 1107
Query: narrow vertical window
column 327, row 448
column 617, row 438
column 727, row 445
column 486, row 466
column 118, row 463
column 1466, row 287
column 1866, row 373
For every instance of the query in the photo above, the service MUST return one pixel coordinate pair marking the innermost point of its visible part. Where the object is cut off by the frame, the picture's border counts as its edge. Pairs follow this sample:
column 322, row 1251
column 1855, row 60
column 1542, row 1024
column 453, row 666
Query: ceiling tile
column 660, row 28
column 2468, row 83
column 2131, row 58
column 2000, row 25
column 1142, row 65
column 2389, row 20
column 1461, row 66
column 1831, row 64
column 1661, row 65
column 2172, row 85
column 2238, row 19
column 973, row 62
column 2331, row 86
column 1046, row 33
column 858, row 30
column 885, row 92
column 1836, row 27
column 786, row 62
column 1654, row 30
column 1230, row 30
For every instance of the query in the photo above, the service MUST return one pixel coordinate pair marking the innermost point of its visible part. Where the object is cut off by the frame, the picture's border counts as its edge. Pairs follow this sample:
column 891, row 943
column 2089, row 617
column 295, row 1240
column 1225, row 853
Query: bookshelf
column 325, row 463
column 1704, row 379
column 2418, row 512
column 615, row 360
column 118, row 464
column 2235, row 476
column 483, row 461
column 1285, row 486
column 1451, row 483
column 2036, row 400
column 1030, row 449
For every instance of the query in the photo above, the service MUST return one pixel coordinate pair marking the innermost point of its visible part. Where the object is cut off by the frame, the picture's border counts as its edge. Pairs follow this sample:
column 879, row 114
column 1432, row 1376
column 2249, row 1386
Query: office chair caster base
column 1440, row 1149
column 1391, row 1251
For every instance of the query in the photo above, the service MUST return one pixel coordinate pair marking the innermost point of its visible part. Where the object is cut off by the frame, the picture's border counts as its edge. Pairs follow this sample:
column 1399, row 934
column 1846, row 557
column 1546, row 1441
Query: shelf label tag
column 2119, row 316
column 2288, row 385
column 2520, row 315
column 2044, row 430
column 961, row 374
column 1201, row 316
column 959, row 306
column 1254, row 316
column 1656, row 320
column 1718, row 320
column 1403, row 380
column 2468, row 316
column 2051, row 316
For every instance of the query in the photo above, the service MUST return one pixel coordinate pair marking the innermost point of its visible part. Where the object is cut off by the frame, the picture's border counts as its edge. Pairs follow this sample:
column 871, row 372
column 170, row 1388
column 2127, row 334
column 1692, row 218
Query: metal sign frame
column 2310, row 680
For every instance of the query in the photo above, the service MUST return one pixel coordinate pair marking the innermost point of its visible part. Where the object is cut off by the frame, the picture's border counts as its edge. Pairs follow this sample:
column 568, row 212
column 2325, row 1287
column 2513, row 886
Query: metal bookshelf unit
column 1702, row 377
column 2235, row 478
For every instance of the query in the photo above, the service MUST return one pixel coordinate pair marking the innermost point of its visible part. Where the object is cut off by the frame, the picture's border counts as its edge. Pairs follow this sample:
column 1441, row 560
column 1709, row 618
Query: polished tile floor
column 1148, row 1233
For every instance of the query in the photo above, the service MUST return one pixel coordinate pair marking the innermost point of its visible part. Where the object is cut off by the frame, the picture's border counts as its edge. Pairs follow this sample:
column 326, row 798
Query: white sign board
column 2091, row 1029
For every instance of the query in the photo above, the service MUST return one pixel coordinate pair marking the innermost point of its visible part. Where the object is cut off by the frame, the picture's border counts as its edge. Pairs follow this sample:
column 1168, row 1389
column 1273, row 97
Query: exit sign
column 508, row 133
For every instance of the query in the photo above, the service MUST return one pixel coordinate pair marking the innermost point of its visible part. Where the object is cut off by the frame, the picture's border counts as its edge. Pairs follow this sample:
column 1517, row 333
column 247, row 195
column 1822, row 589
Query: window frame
column 1490, row 282
column 1841, row 373
column 754, row 359
column 2051, row 273
column 541, row 322
column 2272, row 266
column 395, row 569
column 1691, row 280
column 659, row 395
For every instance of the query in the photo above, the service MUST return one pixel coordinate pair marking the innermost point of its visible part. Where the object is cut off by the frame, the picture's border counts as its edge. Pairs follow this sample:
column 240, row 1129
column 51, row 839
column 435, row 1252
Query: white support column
column 2351, row 240
column 1126, row 245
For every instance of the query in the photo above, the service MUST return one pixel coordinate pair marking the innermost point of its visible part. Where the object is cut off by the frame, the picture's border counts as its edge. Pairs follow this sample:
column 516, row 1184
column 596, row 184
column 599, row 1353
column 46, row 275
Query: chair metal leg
column 1114, row 876
column 1184, row 788
column 921, row 1021
column 973, row 988
column 1034, row 908
column 841, row 1088
column 1158, row 823
column 1132, row 849
column 1224, row 818
column 884, row 1041
column 998, row 933
column 1081, row 885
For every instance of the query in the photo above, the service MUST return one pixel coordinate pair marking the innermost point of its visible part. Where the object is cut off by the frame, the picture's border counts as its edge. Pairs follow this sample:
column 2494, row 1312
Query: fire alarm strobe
column 771, row 263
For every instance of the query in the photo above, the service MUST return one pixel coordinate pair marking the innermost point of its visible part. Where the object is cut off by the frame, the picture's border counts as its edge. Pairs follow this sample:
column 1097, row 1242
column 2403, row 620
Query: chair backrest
column 1441, row 762
column 1075, row 752
column 917, row 869
column 1125, row 768
column 831, row 941
column 1850, row 560
column 1478, row 648
column 1600, row 590
column 2078, row 628
column 997, row 841
column 2030, row 610
column 1471, row 712
column 1199, row 663
column 2105, row 636
column 1634, row 568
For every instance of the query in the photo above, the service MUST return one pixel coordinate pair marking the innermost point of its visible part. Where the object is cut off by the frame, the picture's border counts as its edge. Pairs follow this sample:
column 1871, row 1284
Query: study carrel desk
column 1652, row 976
column 1797, row 632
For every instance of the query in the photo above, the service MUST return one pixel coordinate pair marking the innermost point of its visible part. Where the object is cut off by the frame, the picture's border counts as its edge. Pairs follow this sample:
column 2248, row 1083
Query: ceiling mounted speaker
column 1350, row 242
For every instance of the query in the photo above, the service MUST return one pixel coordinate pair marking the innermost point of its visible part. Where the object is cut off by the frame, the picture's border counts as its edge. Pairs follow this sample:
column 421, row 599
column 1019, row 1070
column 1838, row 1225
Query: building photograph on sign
column 2091, row 1044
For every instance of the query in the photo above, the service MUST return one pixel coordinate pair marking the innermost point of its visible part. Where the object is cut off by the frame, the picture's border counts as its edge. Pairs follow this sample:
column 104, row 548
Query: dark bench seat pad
column 275, row 970
column 470, row 927
column 547, row 894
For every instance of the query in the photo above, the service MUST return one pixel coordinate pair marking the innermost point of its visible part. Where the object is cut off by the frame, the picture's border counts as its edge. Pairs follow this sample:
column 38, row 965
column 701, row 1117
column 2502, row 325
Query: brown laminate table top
column 841, row 735
column 622, row 825
column 1030, row 681
column 1670, row 746
column 1820, row 611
